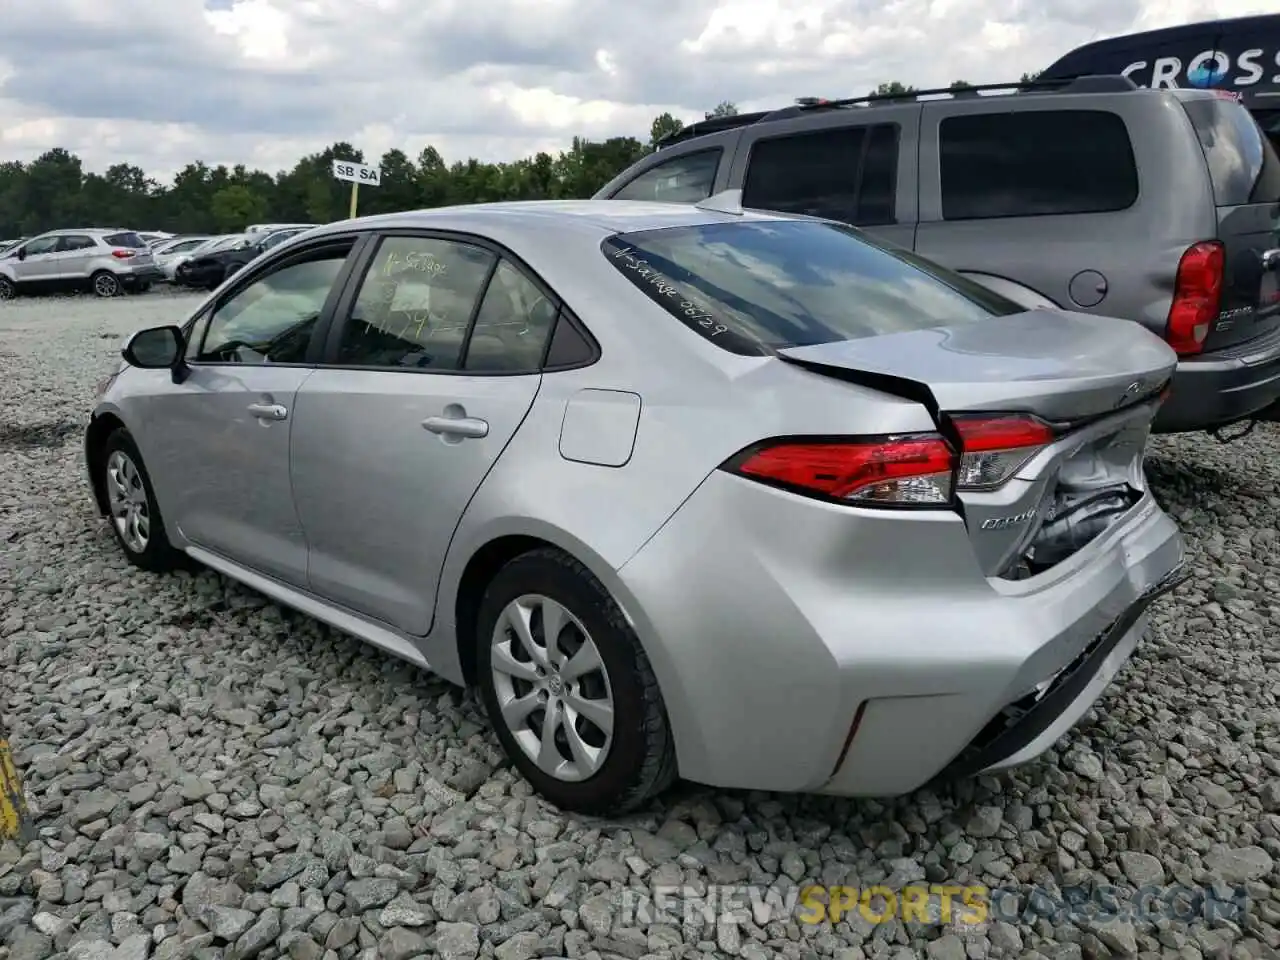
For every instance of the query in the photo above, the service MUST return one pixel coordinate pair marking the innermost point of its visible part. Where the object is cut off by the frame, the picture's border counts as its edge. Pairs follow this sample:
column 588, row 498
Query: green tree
column 961, row 85
column 894, row 89
column 54, row 190
column 235, row 206
column 725, row 108
column 663, row 126
column 1029, row 77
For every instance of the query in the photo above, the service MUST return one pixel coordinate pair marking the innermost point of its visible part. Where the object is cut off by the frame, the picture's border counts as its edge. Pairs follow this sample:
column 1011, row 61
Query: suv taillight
column 1197, row 295
column 913, row 470
column 123, row 254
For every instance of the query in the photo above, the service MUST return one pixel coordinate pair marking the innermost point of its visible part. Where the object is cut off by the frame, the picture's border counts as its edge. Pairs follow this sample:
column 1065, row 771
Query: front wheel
column 135, row 515
column 105, row 284
column 7, row 289
column 568, row 688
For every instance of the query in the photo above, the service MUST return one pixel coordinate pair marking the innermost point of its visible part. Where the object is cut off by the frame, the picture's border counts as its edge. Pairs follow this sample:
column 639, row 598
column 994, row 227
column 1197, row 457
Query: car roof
column 532, row 218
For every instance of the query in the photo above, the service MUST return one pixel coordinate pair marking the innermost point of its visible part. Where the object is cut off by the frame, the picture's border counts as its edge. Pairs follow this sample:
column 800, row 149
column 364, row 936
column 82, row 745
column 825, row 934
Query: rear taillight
column 123, row 254
column 994, row 448
column 914, row 470
column 1197, row 293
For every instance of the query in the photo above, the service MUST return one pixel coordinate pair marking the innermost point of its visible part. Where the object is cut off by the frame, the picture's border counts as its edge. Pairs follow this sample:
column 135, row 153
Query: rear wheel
column 7, row 289
column 568, row 688
column 135, row 515
column 105, row 284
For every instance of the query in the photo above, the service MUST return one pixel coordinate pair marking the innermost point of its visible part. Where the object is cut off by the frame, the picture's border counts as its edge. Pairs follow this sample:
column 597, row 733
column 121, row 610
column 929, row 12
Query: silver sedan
column 753, row 500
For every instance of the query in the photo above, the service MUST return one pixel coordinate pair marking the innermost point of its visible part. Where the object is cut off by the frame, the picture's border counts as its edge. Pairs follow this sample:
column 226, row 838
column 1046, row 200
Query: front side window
column 42, row 245
column 1035, row 163
column 271, row 320
column 415, row 304
column 754, row 286
column 846, row 173
column 684, row 179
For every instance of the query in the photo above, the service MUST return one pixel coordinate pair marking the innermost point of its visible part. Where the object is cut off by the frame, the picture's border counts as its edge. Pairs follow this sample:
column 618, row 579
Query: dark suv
column 1090, row 194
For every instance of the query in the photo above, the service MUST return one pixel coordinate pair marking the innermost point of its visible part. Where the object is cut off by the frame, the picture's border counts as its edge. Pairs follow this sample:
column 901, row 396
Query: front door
column 222, row 436
column 426, row 382
column 39, row 264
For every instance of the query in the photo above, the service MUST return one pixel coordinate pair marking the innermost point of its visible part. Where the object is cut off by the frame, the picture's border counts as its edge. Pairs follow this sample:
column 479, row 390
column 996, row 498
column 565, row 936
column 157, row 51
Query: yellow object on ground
column 14, row 822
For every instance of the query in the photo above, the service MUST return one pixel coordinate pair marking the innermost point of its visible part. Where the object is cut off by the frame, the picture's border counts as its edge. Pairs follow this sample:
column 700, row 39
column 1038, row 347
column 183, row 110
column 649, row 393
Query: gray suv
column 105, row 261
column 1093, row 195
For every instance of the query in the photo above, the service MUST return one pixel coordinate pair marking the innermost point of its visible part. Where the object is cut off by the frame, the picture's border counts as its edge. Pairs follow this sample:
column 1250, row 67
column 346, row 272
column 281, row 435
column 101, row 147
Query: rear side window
column 756, row 286
column 1242, row 165
column 687, row 178
column 127, row 239
column 844, row 174
column 1035, row 164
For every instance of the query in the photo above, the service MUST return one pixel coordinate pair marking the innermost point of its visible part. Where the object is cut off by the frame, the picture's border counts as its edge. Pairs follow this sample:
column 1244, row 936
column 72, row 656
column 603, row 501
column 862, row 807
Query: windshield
column 753, row 287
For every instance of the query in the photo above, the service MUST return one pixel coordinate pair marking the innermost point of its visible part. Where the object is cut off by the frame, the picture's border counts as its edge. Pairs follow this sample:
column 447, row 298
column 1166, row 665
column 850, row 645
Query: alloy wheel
column 105, row 285
column 7, row 290
column 130, row 511
column 552, row 688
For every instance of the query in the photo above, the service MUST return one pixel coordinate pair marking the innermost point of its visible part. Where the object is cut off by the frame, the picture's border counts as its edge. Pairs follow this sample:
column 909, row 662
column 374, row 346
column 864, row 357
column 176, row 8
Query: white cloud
column 260, row 82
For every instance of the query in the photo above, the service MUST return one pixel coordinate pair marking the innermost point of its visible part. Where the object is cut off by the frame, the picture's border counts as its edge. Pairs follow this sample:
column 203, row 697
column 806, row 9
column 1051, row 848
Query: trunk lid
column 1098, row 379
column 1245, row 174
column 1058, row 365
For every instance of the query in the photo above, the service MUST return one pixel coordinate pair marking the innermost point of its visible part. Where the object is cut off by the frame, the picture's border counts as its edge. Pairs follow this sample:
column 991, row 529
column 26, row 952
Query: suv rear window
column 1035, row 163
column 1242, row 164
column 129, row 240
column 754, row 286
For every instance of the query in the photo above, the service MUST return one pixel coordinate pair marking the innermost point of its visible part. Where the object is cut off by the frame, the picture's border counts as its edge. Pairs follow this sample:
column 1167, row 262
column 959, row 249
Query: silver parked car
column 750, row 499
column 104, row 261
column 170, row 253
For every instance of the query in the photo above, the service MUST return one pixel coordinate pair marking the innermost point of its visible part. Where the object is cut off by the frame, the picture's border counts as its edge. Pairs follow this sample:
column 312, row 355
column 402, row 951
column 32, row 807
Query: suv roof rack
column 1084, row 84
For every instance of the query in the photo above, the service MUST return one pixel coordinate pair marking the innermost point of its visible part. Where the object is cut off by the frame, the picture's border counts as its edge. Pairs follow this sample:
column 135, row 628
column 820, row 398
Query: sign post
column 356, row 174
column 15, row 823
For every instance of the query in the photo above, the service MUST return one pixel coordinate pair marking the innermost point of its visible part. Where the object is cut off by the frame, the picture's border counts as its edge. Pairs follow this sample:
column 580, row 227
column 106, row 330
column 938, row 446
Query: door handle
column 468, row 427
column 268, row 411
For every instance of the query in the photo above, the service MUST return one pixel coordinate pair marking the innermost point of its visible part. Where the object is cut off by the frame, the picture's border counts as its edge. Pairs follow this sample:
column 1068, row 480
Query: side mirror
column 157, row 348
column 22, row 253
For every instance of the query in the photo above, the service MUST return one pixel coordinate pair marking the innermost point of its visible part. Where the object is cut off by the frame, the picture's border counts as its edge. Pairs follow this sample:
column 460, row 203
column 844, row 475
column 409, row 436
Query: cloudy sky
column 162, row 82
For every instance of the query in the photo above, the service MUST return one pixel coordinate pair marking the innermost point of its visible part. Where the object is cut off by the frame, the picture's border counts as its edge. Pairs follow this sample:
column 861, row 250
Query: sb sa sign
column 356, row 172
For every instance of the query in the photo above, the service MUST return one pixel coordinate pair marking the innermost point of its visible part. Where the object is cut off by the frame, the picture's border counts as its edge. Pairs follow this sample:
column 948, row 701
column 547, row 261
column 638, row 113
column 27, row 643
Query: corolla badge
column 1208, row 69
column 1000, row 523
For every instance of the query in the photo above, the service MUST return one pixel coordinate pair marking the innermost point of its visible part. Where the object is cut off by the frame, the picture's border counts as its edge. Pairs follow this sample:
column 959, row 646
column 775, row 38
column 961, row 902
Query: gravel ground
column 217, row 778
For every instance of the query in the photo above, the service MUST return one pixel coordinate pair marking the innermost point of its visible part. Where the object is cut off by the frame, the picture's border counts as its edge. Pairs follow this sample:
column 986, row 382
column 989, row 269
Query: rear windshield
column 753, row 287
column 127, row 239
column 1242, row 164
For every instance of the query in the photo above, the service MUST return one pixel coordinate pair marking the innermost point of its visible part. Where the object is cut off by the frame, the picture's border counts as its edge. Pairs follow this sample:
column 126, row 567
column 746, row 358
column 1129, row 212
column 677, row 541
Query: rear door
column 1041, row 196
column 430, row 374
column 71, row 260
column 1245, row 173
column 860, row 171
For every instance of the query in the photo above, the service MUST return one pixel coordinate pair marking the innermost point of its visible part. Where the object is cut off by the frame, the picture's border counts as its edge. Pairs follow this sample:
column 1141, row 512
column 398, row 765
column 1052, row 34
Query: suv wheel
column 568, row 688
column 105, row 284
column 7, row 290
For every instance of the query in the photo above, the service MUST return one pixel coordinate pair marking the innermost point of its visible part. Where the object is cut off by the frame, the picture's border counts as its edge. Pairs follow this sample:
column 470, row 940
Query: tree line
column 55, row 190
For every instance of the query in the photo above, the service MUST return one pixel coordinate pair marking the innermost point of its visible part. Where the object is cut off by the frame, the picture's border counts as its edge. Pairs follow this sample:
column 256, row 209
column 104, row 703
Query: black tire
column 158, row 556
column 7, row 289
column 105, row 284
column 641, row 759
